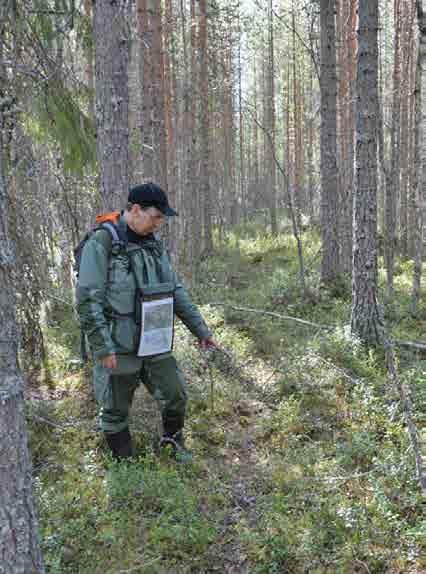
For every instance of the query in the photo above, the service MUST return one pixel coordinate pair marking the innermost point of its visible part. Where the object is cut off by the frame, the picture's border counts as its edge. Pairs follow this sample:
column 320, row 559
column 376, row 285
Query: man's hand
column 208, row 344
column 109, row 362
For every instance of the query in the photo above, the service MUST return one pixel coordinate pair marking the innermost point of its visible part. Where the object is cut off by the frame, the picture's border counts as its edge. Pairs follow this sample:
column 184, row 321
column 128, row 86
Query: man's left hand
column 208, row 344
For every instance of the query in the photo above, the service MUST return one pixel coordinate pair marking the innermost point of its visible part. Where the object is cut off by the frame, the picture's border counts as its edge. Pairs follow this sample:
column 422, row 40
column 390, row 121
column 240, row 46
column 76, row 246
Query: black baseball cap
column 151, row 195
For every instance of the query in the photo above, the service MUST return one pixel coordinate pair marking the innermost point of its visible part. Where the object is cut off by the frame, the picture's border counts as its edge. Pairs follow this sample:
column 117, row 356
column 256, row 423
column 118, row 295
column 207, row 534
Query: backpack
column 109, row 221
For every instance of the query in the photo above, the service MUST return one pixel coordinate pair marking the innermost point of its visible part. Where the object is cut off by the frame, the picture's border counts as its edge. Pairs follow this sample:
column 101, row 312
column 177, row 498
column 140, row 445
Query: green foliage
column 61, row 121
column 62, row 330
column 302, row 460
column 94, row 516
column 347, row 351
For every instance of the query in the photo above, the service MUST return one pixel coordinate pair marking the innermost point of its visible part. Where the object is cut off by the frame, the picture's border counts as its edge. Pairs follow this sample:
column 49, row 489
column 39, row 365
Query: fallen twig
column 272, row 314
column 46, row 421
column 363, row 564
column 418, row 345
column 139, row 567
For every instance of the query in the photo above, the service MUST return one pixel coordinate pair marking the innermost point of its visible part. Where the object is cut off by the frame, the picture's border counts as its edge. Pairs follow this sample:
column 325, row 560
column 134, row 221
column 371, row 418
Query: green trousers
column 114, row 390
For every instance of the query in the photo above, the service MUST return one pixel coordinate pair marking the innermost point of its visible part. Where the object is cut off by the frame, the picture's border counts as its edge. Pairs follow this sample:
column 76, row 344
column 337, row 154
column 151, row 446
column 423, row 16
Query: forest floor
column 302, row 462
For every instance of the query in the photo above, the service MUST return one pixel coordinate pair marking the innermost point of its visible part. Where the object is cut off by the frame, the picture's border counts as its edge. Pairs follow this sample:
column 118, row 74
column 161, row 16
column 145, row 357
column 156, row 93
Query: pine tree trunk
column 205, row 130
column 229, row 136
column 352, row 65
column 329, row 174
column 158, row 101
column 185, row 254
column 193, row 152
column 146, row 34
column 171, row 113
column 89, row 62
column 406, row 57
column 347, row 51
column 256, row 182
column 112, row 100
column 418, row 191
column 135, row 105
column 310, row 154
column 243, row 187
column 412, row 129
column 392, row 183
column 290, row 163
column 270, row 125
column 365, row 318
column 298, row 191
column 19, row 544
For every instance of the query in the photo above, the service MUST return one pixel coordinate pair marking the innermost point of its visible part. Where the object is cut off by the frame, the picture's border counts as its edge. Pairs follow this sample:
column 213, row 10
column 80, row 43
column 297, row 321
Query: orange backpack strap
column 113, row 216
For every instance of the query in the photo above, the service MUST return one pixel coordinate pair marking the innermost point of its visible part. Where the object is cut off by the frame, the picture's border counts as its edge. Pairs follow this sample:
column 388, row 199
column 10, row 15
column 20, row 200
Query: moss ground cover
column 302, row 462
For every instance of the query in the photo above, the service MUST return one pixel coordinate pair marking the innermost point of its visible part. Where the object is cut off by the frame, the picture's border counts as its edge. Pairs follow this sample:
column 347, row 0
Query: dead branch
column 45, row 421
column 272, row 314
column 418, row 345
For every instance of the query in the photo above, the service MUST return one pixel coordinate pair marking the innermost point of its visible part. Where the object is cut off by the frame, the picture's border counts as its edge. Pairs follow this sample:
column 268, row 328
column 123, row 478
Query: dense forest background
column 290, row 138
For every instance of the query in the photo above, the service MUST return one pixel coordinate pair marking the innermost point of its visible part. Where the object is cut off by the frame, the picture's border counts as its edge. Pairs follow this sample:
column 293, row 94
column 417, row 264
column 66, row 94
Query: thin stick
column 273, row 314
column 47, row 421
column 418, row 345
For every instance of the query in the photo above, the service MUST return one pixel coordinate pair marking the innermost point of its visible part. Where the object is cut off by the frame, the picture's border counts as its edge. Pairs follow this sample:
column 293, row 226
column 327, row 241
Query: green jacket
column 107, row 288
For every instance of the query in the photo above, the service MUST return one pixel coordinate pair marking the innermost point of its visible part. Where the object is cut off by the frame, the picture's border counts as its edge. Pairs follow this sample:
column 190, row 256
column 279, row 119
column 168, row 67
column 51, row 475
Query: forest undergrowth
column 302, row 463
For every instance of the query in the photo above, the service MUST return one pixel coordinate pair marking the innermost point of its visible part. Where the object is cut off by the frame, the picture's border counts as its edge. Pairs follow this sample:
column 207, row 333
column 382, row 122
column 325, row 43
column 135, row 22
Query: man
column 125, row 289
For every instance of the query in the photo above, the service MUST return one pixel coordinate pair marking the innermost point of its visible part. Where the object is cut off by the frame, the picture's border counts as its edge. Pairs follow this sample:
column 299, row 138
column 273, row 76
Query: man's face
column 145, row 221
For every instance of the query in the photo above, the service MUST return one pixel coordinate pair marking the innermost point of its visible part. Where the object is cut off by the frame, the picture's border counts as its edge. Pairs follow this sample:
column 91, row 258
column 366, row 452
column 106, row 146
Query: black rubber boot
column 120, row 444
column 176, row 443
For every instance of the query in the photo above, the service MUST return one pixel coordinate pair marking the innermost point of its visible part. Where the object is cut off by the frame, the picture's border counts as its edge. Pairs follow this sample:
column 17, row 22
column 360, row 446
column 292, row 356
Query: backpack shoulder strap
column 117, row 235
column 112, row 230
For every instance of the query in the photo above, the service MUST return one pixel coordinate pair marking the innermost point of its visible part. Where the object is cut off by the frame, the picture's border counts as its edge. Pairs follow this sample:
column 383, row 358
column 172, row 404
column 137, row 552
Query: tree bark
column 158, row 109
column 19, row 544
column 299, row 195
column 392, row 183
column 112, row 100
column 418, row 191
column 406, row 58
column 205, row 130
column 171, row 118
column 146, row 38
column 347, row 54
column 89, row 62
column 365, row 318
column 329, row 201
column 255, row 182
column 243, row 194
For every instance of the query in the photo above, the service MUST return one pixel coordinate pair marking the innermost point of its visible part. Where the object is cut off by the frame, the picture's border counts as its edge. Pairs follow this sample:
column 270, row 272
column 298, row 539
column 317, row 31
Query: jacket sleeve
column 91, row 287
column 187, row 311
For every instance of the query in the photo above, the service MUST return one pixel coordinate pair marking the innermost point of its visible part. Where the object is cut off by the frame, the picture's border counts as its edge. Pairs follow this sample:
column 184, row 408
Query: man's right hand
column 109, row 361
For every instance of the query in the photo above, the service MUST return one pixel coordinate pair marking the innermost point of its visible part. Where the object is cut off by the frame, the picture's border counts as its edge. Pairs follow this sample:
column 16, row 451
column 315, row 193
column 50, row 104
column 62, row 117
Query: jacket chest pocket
column 121, row 298
column 121, row 290
column 119, row 272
